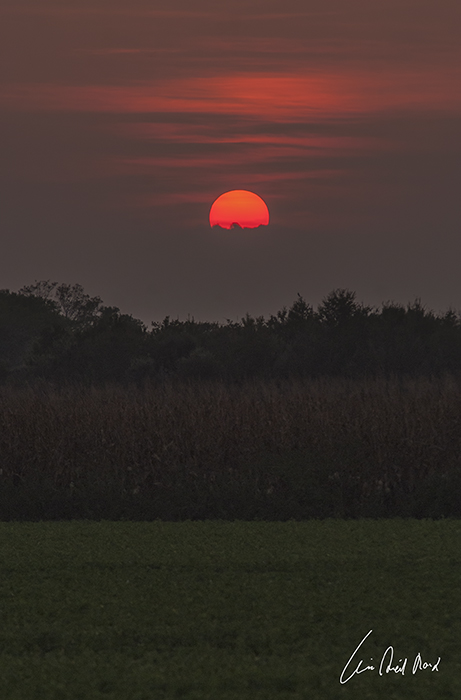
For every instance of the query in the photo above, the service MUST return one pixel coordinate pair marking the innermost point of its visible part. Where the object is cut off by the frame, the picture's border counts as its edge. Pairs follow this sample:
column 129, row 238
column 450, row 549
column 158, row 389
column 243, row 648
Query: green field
column 228, row 610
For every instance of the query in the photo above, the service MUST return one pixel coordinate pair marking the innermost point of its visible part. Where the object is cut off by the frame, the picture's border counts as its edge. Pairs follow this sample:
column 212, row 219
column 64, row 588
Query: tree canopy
column 57, row 332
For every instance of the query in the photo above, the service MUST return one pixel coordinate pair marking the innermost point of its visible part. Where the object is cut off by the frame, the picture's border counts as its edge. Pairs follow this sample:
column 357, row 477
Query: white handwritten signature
column 388, row 656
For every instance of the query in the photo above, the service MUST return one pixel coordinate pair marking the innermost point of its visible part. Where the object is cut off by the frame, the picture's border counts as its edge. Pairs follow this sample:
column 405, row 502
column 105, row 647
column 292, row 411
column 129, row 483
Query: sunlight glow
column 239, row 208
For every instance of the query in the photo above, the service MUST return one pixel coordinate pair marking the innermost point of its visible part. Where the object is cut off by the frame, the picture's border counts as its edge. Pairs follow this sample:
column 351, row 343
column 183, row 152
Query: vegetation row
column 261, row 450
column 59, row 333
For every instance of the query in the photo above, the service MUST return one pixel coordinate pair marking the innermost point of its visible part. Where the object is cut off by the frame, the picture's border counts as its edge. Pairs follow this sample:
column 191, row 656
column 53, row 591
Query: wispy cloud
column 276, row 97
column 187, row 133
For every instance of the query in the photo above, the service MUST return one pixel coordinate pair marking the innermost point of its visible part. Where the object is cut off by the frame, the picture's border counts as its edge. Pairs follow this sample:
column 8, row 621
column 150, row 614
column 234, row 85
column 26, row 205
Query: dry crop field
column 262, row 450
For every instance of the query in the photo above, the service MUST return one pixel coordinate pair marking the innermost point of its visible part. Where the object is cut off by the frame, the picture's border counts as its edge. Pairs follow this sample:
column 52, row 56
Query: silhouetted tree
column 22, row 320
column 70, row 301
column 58, row 332
column 339, row 307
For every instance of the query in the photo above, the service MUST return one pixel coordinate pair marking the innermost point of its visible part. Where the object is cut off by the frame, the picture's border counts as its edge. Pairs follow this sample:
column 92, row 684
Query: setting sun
column 239, row 208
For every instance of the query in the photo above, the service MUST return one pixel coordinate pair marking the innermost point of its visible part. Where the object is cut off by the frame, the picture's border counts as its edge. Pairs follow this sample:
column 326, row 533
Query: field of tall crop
column 262, row 450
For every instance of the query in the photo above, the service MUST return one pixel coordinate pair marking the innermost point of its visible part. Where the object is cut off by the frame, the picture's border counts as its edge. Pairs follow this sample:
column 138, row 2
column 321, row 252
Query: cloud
column 267, row 97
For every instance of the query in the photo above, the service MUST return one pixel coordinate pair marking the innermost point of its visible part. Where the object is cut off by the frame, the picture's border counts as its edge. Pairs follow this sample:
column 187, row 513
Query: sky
column 122, row 121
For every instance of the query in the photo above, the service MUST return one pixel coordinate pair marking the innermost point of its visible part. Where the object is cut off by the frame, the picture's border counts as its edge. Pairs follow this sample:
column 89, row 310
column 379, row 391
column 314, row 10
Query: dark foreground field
column 230, row 611
column 257, row 451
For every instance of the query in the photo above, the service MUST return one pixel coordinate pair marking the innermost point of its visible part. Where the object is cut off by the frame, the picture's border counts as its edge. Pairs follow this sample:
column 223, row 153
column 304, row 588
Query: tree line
column 57, row 332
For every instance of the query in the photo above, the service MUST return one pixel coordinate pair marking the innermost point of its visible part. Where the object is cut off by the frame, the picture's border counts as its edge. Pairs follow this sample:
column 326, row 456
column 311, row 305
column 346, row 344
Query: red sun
column 239, row 208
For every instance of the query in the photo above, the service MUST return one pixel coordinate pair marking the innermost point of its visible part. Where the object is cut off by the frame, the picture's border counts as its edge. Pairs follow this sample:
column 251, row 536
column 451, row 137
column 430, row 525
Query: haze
column 122, row 122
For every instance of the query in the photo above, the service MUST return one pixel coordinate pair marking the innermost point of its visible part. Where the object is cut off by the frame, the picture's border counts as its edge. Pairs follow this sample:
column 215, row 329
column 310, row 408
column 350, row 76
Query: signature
column 386, row 665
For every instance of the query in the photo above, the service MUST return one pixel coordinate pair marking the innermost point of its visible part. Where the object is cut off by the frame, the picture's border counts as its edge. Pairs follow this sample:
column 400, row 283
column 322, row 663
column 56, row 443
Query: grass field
column 228, row 610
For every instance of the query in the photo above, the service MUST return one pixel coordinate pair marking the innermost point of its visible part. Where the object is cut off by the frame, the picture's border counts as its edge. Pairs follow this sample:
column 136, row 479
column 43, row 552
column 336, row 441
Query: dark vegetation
column 227, row 611
column 341, row 412
column 60, row 334
column 261, row 451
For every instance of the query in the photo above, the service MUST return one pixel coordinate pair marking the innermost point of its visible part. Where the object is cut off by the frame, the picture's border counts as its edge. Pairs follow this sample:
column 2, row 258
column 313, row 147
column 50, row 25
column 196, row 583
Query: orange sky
column 122, row 124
